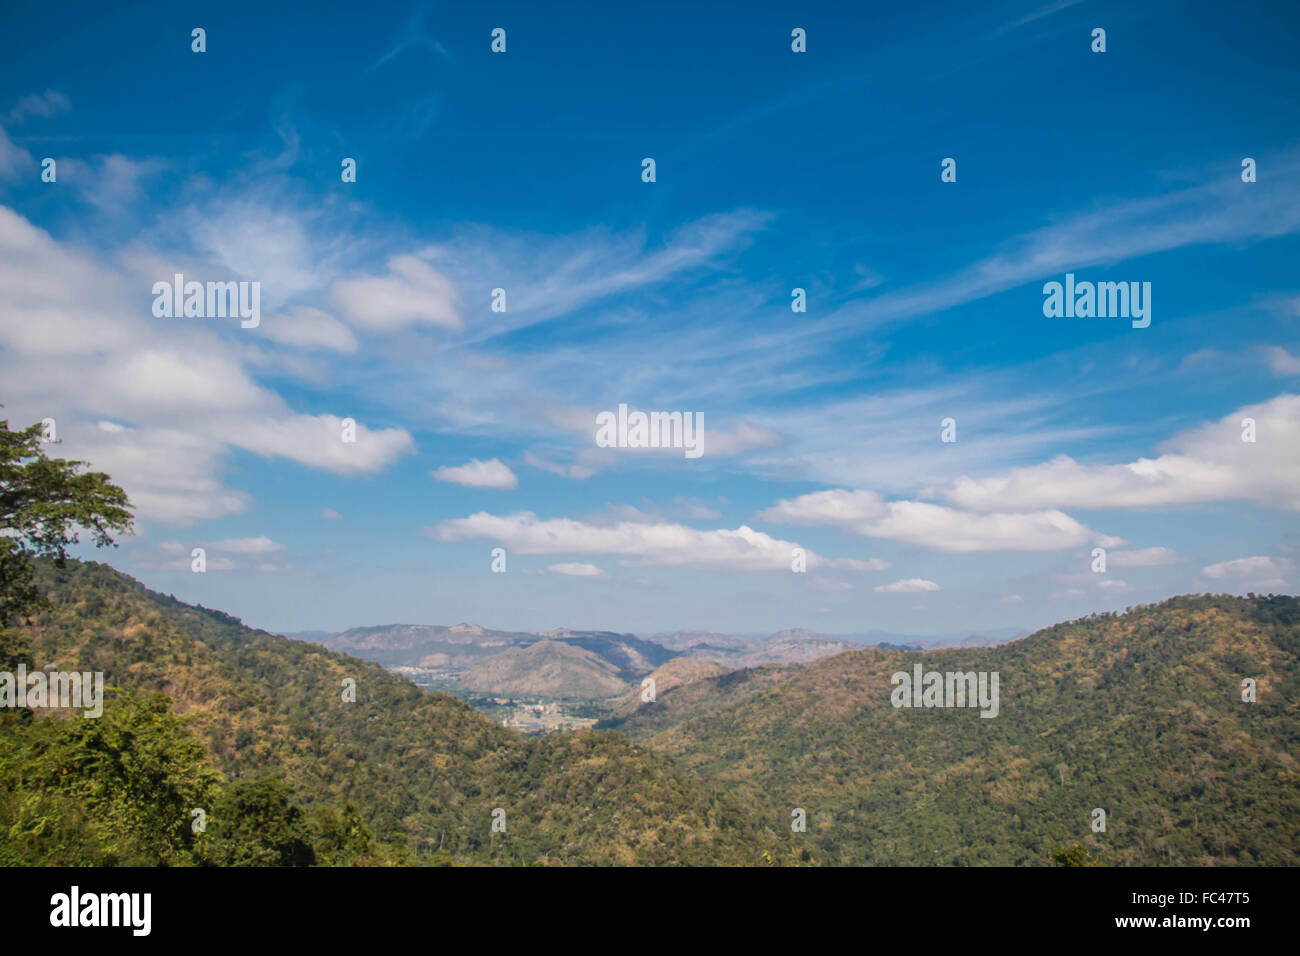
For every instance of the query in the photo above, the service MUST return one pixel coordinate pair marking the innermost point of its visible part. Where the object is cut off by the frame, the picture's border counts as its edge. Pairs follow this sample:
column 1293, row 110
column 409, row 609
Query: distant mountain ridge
column 464, row 652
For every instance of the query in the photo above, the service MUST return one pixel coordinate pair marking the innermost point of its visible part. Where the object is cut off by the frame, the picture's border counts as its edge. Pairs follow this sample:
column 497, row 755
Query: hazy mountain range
column 568, row 663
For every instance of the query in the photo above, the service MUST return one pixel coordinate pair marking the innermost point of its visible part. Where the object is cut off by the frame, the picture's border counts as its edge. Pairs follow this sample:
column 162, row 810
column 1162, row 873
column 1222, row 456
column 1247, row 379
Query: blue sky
column 775, row 170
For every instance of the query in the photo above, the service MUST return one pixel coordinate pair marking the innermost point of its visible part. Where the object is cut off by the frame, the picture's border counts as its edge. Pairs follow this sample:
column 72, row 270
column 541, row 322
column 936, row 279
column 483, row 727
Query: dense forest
column 1138, row 714
column 252, row 729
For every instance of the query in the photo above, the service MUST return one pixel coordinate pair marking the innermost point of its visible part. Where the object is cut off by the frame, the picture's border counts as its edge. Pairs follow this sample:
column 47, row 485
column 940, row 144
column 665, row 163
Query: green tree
column 44, row 505
column 118, row 790
column 343, row 839
column 256, row 824
column 1076, row 854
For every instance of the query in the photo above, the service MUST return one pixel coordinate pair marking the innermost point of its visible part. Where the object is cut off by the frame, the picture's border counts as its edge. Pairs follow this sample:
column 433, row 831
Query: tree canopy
column 45, row 504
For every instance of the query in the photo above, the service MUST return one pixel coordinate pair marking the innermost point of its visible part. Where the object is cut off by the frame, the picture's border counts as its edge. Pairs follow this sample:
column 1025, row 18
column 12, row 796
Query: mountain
column 675, row 673
column 305, row 635
column 254, row 727
column 421, row 645
column 689, row 640
column 489, row 662
column 477, row 656
column 548, row 669
column 1139, row 714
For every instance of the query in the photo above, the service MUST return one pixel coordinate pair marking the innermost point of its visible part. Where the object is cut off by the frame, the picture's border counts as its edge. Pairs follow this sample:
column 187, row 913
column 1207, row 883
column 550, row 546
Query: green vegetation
column 399, row 776
column 43, row 503
column 1139, row 714
column 221, row 745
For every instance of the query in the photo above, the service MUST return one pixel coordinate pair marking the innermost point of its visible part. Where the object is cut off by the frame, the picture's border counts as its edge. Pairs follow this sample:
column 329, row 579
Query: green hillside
column 398, row 776
column 1138, row 714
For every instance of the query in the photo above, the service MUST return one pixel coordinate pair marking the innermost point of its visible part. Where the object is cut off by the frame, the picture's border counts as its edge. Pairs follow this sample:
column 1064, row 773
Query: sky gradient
column 775, row 170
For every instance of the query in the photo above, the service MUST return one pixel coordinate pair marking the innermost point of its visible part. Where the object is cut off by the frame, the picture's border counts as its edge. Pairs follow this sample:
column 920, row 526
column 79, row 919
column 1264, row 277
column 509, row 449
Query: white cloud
column 258, row 545
column 1114, row 584
column 329, row 514
column 908, row 586
column 14, row 160
column 317, row 441
column 309, row 329
column 1257, row 566
column 478, row 474
column 109, row 183
column 745, row 437
column 853, row 564
column 159, row 404
column 578, row 470
column 577, row 570
column 1143, row 557
column 412, row 293
column 835, row 507
column 1281, row 361
column 46, row 104
column 936, row 527
column 1207, row 463
column 743, row 549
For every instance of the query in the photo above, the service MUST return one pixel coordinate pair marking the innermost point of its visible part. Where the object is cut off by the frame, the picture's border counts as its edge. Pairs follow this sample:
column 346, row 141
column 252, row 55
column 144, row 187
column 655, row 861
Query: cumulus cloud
column 317, row 441
column 1207, row 463
column 412, row 293
column 478, row 474
column 157, row 403
column 908, row 586
column 936, row 527
column 636, row 543
column 1259, row 571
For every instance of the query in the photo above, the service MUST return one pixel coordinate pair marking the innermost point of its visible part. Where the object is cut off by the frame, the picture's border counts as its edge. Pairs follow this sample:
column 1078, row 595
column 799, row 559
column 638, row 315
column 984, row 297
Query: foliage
column 44, row 504
column 1139, row 714
column 398, row 776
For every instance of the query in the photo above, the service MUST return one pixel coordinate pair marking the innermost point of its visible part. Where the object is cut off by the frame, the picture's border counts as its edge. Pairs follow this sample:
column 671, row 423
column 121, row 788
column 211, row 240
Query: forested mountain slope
column 422, row 772
column 1139, row 714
